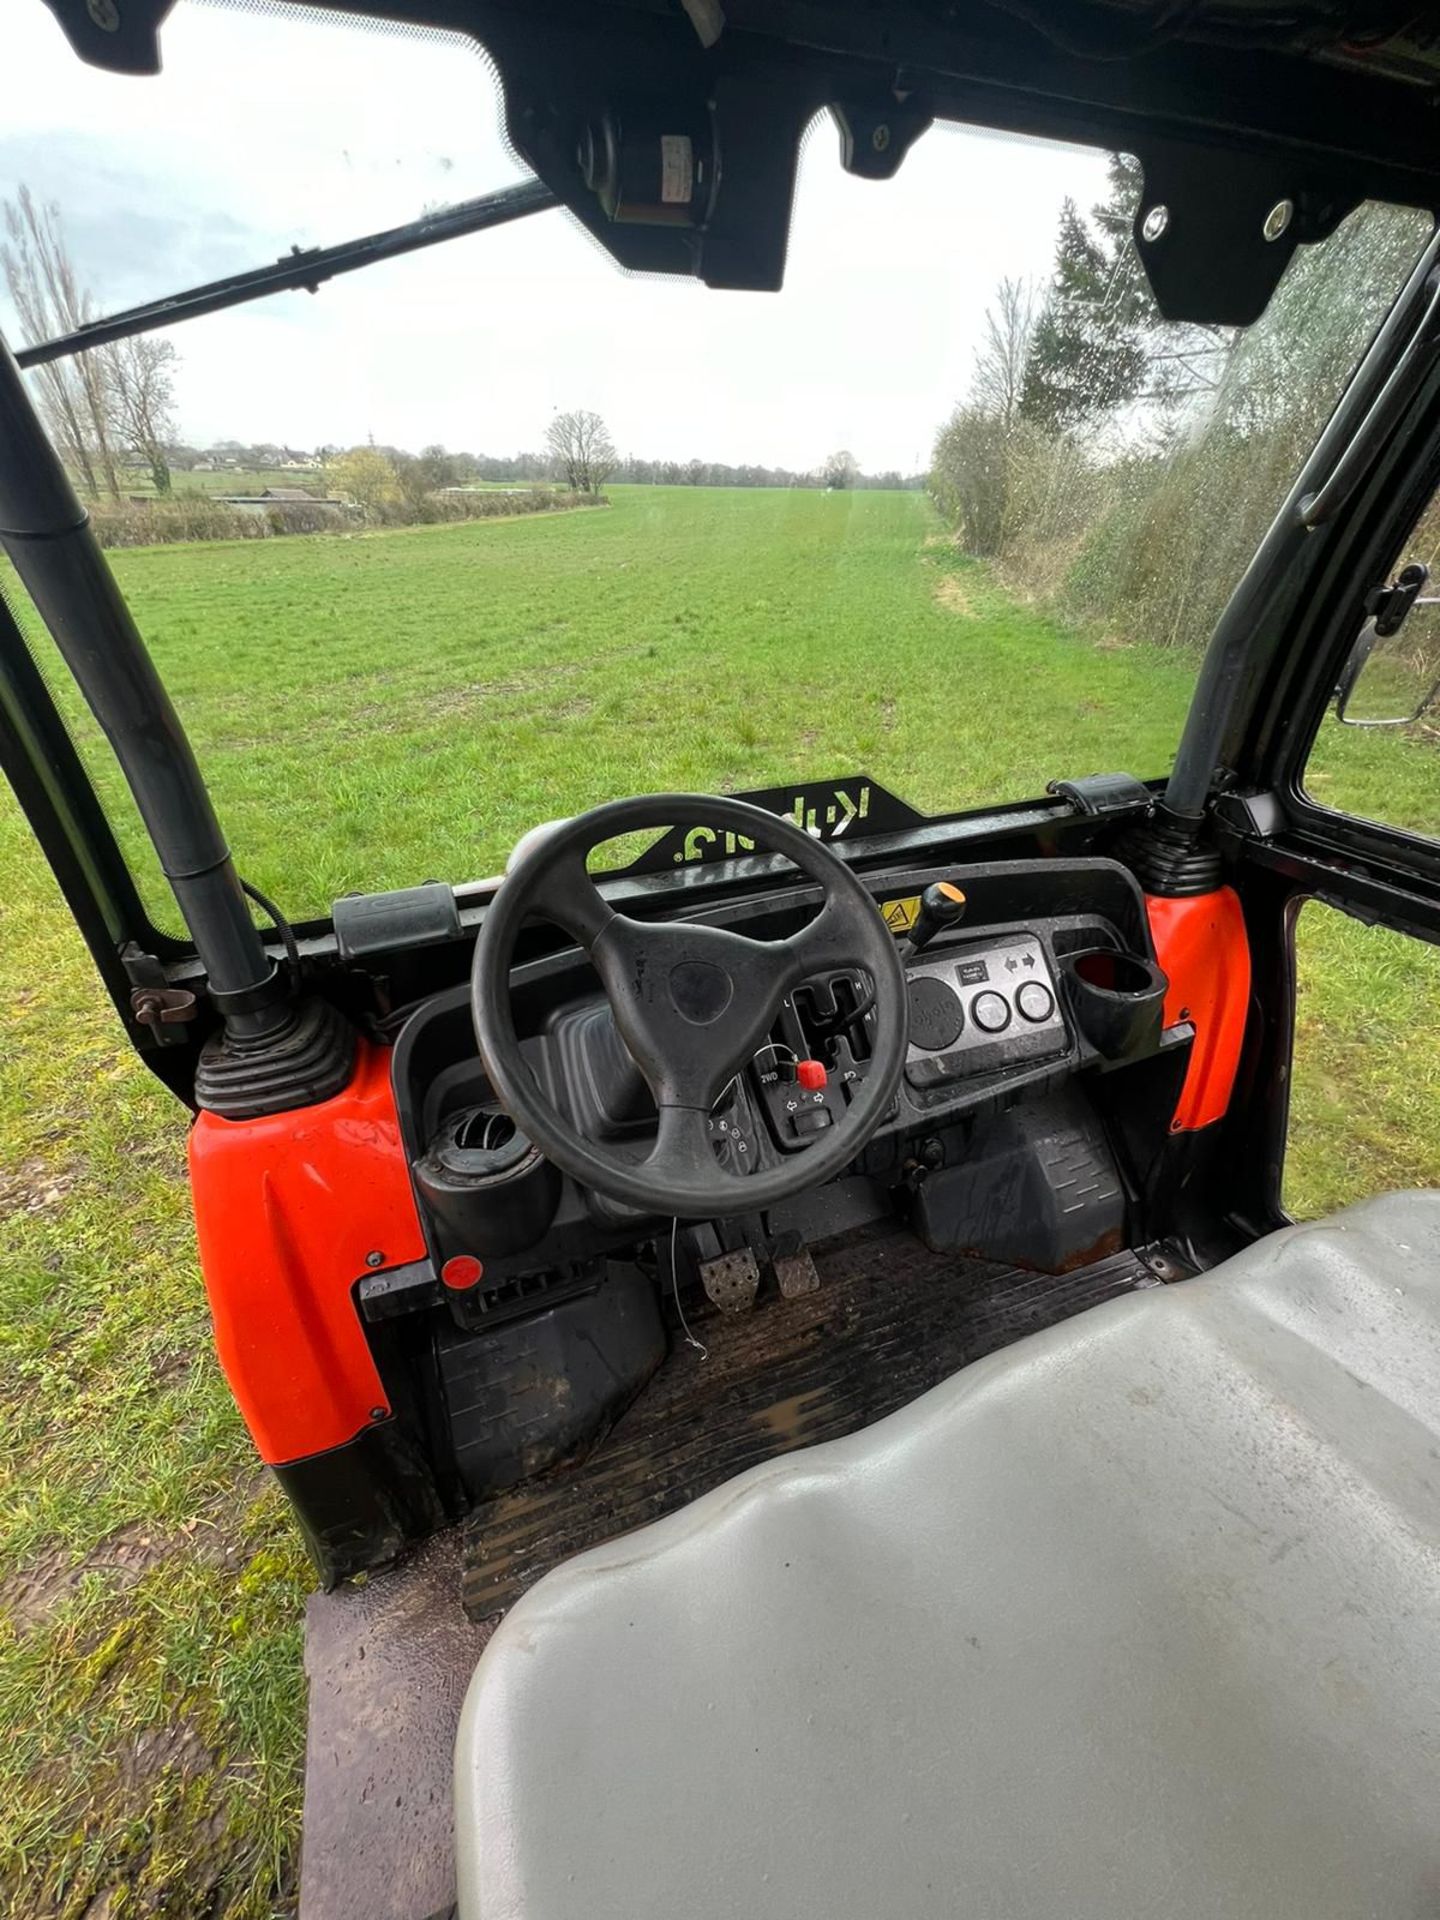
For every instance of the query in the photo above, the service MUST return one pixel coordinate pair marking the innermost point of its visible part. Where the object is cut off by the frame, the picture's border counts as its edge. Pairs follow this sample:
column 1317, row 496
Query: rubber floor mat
column 889, row 1321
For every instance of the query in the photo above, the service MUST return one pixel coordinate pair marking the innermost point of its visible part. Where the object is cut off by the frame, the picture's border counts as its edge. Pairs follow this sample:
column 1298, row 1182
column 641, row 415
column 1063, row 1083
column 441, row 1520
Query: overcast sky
column 265, row 132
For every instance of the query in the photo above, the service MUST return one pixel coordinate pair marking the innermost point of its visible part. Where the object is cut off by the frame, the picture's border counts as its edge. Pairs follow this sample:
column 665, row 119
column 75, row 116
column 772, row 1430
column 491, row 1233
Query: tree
column 1086, row 359
column 840, row 469
column 412, row 478
column 49, row 300
column 997, row 385
column 581, row 450
column 1100, row 342
column 439, row 468
column 141, row 401
column 365, row 476
column 970, row 476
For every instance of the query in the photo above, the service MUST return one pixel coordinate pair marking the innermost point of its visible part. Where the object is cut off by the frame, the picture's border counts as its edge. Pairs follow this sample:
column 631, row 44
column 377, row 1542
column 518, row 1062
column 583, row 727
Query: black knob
column 942, row 905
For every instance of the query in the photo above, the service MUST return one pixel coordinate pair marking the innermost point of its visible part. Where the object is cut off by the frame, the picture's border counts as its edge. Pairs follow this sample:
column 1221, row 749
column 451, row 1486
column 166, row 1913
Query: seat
column 1139, row 1617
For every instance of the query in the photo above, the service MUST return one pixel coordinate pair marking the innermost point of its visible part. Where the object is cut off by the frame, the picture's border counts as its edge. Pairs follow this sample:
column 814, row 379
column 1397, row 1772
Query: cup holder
column 1117, row 1000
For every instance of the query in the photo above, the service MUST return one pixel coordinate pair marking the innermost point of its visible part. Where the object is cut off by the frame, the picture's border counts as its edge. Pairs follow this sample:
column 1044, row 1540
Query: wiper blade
column 301, row 269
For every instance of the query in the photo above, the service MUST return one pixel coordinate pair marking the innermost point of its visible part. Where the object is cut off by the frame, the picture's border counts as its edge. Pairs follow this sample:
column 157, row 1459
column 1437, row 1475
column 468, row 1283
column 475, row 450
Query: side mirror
column 1385, row 683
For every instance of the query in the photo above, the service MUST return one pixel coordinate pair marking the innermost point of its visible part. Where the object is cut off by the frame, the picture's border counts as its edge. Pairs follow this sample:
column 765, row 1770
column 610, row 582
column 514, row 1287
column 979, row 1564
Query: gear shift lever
column 942, row 906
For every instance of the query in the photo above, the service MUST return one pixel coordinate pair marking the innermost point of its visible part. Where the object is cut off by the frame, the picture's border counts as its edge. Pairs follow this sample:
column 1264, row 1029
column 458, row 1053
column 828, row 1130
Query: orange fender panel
column 1201, row 945
column 286, row 1210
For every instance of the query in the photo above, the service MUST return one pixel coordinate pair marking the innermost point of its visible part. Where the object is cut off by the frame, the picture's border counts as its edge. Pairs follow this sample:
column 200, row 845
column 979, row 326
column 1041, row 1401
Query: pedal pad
column 731, row 1280
column 795, row 1274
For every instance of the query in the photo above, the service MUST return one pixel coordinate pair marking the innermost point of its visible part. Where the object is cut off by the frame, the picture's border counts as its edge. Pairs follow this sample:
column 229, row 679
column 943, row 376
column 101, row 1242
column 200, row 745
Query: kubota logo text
column 839, row 814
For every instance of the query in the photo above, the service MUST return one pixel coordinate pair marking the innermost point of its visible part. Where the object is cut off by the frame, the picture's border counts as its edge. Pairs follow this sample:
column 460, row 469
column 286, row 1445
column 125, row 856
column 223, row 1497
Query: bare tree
column 582, row 450
column 142, row 401
column 441, row 469
column 998, row 382
column 49, row 300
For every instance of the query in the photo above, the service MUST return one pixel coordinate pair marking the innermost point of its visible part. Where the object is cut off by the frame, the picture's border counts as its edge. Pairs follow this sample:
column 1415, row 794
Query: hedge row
column 193, row 516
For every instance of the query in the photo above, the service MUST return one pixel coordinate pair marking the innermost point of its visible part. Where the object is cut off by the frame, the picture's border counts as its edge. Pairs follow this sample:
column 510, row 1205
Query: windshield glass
column 495, row 532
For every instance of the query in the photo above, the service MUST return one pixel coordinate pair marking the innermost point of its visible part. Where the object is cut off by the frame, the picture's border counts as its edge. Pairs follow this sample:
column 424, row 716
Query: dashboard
column 998, row 1013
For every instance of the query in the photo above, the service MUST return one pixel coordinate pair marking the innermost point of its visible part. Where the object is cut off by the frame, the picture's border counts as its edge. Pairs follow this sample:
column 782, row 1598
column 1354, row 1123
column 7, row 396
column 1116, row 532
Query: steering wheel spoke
column 567, row 897
column 683, row 1150
column 832, row 940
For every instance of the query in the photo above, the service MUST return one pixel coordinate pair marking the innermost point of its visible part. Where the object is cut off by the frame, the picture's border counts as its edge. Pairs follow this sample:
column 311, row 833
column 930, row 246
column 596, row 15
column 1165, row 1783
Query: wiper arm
column 302, row 268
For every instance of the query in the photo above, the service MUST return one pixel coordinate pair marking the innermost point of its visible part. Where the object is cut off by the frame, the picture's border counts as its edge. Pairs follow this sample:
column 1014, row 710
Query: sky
column 267, row 131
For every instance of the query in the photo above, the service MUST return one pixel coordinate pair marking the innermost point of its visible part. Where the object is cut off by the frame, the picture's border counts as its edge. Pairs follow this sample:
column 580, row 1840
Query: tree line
column 1123, row 468
column 569, row 455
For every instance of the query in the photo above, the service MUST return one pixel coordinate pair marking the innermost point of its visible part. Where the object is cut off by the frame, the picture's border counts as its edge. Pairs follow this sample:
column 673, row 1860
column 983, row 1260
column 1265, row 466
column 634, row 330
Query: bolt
column 105, row 14
column 880, row 138
column 377, row 1413
column 376, row 1259
column 1278, row 219
column 1155, row 223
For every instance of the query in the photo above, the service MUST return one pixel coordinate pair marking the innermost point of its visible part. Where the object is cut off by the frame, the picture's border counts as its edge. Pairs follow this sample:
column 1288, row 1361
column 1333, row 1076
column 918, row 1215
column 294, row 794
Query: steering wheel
column 692, row 1004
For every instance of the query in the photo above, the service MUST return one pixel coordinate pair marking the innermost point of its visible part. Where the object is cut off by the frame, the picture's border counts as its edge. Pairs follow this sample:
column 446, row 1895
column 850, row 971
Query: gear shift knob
column 942, row 905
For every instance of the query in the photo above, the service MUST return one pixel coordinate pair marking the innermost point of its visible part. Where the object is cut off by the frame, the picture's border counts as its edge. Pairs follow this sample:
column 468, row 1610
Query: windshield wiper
column 301, row 269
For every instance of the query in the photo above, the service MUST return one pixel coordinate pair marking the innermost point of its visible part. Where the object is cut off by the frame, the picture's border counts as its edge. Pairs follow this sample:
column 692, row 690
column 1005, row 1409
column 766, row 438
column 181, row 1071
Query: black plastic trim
column 360, row 1505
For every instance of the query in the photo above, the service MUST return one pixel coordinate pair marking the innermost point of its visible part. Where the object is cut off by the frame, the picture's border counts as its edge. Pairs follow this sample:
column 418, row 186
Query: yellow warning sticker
column 901, row 915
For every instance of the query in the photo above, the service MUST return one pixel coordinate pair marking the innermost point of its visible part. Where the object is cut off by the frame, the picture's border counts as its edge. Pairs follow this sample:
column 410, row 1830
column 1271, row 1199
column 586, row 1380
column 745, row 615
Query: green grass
column 241, row 480
column 682, row 638
column 378, row 710
column 151, row 1697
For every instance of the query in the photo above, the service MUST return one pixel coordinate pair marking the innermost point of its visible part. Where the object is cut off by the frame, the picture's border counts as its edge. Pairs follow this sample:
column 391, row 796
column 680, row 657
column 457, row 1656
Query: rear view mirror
column 1391, row 679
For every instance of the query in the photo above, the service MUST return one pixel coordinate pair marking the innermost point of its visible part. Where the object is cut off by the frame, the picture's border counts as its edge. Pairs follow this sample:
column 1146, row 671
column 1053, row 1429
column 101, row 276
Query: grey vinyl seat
column 1140, row 1617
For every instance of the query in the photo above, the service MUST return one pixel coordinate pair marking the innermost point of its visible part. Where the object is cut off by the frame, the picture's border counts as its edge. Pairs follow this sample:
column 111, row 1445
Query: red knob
column 461, row 1272
column 810, row 1074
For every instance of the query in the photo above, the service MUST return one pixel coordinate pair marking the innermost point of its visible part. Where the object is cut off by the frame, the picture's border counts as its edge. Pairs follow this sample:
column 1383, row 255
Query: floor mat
column 889, row 1321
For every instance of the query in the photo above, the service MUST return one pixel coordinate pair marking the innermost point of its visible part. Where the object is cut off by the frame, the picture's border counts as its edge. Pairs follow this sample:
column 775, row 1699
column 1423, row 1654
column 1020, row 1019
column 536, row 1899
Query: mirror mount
column 1387, row 608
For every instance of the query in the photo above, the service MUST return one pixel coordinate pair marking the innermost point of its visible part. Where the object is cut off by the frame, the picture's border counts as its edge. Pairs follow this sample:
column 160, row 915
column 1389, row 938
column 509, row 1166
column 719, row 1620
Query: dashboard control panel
column 977, row 1009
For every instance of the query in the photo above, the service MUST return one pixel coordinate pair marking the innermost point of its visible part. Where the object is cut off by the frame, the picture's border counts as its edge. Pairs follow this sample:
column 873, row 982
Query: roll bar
column 48, row 537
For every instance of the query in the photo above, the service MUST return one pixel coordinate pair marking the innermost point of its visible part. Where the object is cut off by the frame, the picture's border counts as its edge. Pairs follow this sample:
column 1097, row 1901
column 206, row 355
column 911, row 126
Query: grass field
column 238, row 480
column 387, row 708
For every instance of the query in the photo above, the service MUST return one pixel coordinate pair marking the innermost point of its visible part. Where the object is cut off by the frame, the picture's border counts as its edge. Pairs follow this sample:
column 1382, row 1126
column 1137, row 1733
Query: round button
column 990, row 1012
column 936, row 1015
column 1035, row 1001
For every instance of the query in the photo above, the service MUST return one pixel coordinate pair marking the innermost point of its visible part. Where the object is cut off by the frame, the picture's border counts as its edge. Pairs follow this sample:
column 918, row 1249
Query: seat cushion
column 1138, row 1617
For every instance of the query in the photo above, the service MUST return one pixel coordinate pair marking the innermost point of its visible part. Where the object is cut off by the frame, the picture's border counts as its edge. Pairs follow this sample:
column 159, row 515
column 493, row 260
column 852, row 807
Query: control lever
column 942, row 906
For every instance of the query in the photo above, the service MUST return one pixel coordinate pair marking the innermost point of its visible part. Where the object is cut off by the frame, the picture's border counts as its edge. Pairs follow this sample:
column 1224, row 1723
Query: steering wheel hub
column 701, row 990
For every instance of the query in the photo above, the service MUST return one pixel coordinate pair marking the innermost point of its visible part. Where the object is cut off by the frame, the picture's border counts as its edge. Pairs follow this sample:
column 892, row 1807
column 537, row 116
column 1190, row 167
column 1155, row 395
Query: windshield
column 493, row 533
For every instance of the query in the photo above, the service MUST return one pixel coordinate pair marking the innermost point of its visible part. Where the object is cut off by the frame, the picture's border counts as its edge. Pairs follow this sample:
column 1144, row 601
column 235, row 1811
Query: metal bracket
column 1255, row 816
column 161, row 1007
column 1390, row 606
column 1215, row 230
column 154, row 1003
column 876, row 135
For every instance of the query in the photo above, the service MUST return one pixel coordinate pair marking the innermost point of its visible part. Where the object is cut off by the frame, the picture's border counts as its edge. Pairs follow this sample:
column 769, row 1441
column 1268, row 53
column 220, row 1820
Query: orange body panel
column 1201, row 945
column 287, row 1208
